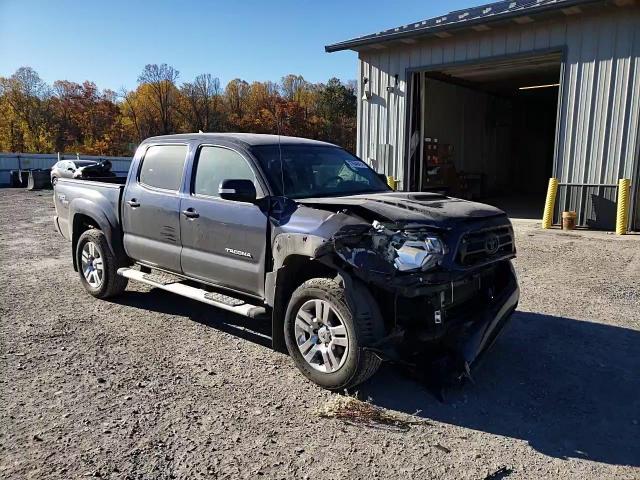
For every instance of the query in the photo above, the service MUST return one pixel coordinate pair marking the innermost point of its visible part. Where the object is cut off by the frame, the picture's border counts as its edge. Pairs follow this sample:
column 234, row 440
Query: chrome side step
column 225, row 302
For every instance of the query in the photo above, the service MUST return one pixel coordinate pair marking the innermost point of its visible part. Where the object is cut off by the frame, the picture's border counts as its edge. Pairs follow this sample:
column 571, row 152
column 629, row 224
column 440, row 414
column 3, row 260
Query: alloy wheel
column 321, row 336
column 92, row 264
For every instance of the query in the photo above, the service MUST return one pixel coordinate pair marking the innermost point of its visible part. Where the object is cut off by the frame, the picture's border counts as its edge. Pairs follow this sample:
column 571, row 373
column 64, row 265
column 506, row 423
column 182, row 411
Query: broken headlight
column 422, row 254
column 409, row 250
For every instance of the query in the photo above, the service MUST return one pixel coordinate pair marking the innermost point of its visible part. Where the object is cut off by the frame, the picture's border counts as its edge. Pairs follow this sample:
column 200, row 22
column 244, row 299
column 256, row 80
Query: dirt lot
column 154, row 386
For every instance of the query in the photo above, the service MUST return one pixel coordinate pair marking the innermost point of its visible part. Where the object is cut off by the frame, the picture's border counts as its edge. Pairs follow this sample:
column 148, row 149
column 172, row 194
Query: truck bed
column 96, row 197
column 113, row 180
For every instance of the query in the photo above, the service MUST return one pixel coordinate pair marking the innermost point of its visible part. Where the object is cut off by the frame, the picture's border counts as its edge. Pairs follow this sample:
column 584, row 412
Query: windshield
column 316, row 171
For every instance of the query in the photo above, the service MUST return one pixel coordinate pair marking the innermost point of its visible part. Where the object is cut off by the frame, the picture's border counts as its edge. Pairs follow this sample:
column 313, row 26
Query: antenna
column 280, row 153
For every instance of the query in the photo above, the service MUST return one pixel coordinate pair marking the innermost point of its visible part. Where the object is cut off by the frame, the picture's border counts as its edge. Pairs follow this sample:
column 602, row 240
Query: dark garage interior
column 489, row 131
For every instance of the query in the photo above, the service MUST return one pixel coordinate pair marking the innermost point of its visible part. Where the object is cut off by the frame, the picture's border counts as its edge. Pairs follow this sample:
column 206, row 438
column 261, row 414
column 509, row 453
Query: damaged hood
column 408, row 207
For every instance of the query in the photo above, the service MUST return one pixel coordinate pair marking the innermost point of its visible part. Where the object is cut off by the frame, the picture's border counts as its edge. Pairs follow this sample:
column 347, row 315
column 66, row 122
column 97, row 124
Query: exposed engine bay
column 383, row 248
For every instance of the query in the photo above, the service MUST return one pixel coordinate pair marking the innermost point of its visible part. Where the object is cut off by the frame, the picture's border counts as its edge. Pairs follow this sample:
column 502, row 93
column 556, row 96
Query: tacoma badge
column 238, row 252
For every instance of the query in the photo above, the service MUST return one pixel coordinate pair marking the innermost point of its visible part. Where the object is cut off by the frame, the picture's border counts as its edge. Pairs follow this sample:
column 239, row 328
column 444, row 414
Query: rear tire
column 98, row 266
column 336, row 357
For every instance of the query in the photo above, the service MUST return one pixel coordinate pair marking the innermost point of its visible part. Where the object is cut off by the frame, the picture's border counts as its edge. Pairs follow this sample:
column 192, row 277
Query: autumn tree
column 86, row 119
column 260, row 103
column 79, row 117
column 11, row 132
column 337, row 108
column 130, row 110
column 235, row 95
column 65, row 103
column 25, row 98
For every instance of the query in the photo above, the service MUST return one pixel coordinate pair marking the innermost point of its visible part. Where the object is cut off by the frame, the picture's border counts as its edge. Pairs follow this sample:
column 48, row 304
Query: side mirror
column 71, row 169
column 238, row 190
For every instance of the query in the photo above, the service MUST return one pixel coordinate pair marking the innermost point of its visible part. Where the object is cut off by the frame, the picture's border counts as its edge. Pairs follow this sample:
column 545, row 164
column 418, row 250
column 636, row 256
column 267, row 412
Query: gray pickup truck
column 305, row 235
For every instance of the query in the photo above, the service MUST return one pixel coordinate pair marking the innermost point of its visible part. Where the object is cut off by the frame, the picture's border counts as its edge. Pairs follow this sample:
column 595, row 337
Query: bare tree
column 293, row 86
column 202, row 98
column 162, row 83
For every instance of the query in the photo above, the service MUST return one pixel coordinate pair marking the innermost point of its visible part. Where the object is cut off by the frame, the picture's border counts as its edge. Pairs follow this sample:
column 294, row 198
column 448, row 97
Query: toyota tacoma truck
column 305, row 235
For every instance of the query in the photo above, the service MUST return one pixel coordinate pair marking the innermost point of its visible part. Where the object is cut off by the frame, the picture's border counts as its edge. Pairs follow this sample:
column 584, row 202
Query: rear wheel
column 98, row 266
column 326, row 334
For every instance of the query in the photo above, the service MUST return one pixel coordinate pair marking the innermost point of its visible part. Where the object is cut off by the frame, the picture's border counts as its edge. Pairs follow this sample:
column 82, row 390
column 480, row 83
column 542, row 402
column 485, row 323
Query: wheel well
column 295, row 270
column 81, row 223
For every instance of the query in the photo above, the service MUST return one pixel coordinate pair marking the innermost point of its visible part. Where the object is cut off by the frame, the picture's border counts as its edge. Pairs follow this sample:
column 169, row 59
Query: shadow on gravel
column 569, row 388
column 157, row 300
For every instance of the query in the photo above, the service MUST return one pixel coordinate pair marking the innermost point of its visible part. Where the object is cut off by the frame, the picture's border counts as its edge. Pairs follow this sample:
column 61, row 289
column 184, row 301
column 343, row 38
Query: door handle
column 133, row 203
column 190, row 213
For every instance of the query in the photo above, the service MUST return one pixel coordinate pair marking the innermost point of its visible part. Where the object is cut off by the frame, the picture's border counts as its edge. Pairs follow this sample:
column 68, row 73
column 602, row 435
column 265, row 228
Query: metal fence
column 33, row 161
column 595, row 204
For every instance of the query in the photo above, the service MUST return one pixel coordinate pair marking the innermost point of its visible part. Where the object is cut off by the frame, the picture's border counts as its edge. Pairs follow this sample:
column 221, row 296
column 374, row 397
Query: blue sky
column 109, row 42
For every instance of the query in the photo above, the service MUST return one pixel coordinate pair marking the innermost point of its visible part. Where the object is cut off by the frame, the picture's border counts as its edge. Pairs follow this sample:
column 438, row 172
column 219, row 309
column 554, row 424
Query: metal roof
column 459, row 19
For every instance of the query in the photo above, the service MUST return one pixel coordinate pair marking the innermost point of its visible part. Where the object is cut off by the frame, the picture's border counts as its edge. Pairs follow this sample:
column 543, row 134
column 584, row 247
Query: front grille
column 485, row 245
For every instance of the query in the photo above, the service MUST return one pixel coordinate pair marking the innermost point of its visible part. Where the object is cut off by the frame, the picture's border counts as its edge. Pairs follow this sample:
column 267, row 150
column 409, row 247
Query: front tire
column 98, row 266
column 326, row 333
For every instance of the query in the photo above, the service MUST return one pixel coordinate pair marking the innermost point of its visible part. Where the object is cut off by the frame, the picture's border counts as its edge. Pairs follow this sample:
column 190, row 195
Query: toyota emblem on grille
column 491, row 244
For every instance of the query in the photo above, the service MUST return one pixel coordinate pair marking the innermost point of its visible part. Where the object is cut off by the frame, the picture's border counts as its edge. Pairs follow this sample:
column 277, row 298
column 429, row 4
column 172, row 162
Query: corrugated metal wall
column 31, row 161
column 600, row 94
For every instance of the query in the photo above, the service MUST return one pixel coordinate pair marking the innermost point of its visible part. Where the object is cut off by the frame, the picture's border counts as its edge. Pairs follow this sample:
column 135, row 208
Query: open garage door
column 488, row 131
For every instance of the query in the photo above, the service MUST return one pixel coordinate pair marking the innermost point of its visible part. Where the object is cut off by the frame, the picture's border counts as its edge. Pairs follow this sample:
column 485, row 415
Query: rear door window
column 162, row 166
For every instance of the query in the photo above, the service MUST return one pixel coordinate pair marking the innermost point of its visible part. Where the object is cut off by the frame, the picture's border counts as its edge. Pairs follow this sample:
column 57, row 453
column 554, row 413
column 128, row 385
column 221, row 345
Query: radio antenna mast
column 278, row 118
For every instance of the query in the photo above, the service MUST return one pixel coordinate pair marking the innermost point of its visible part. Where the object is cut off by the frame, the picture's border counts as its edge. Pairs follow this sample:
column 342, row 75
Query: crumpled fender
column 314, row 244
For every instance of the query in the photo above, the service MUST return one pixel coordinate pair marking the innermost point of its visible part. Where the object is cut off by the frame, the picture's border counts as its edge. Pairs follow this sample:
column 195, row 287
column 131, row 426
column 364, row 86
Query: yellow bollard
column 392, row 182
column 549, row 204
column 622, row 218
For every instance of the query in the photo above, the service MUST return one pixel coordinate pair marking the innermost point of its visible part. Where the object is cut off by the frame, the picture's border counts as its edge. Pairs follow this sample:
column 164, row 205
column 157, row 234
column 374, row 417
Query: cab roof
column 248, row 139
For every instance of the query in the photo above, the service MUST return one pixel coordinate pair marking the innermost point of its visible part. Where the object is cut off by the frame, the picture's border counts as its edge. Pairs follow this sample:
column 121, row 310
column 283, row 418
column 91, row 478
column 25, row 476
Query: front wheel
column 326, row 334
column 98, row 266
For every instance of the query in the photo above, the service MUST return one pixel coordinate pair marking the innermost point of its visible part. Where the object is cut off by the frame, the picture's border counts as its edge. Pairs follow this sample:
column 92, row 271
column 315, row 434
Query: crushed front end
column 446, row 293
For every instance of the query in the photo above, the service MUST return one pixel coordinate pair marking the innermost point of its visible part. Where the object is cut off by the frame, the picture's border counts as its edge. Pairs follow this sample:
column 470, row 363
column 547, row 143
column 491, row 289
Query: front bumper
column 457, row 323
column 481, row 330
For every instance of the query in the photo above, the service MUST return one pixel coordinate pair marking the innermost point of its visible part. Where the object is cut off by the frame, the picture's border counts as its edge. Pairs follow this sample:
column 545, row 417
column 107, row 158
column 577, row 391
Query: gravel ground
column 154, row 386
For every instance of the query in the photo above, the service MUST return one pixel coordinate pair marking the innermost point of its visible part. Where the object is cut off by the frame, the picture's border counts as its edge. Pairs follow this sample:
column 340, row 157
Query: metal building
column 488, row 103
